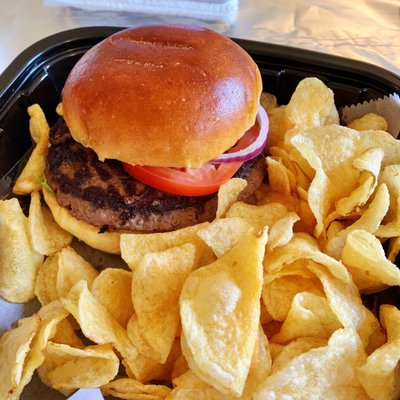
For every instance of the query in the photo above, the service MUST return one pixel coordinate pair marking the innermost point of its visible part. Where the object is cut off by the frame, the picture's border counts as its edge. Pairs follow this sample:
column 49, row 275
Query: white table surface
column 367, row 30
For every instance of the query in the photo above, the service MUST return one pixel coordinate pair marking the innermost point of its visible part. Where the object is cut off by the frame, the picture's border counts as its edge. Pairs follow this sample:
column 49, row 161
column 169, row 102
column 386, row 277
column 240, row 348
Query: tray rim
column 29, row 58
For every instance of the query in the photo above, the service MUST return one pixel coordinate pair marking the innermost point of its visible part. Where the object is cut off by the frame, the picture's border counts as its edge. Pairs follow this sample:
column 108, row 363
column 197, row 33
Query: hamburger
column 155, row 119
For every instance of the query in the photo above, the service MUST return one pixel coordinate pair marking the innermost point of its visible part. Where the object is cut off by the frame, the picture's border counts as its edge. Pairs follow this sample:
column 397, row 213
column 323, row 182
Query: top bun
column 171, row 96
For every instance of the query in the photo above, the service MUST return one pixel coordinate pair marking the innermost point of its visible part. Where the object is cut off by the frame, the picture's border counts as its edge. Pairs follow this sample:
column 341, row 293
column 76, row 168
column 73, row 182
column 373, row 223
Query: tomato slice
column 189, row 181
column 185, row 181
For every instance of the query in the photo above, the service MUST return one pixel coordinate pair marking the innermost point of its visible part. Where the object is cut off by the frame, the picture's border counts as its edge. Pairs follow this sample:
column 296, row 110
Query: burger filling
column 208, row 178
column 105, row 195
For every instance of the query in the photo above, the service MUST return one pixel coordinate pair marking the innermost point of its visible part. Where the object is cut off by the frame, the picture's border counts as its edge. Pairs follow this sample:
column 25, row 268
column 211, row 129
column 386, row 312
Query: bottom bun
column 107, row 241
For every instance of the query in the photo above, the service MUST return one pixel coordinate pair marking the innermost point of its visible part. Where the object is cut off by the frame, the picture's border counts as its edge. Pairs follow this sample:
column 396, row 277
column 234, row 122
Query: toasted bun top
column 175, row 96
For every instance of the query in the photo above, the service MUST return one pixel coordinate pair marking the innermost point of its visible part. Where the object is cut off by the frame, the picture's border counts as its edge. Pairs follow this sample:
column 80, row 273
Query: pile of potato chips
column 262, row 303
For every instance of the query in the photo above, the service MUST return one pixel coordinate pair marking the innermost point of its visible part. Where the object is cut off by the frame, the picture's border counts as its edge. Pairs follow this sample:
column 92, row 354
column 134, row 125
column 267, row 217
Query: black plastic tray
column 38, row 74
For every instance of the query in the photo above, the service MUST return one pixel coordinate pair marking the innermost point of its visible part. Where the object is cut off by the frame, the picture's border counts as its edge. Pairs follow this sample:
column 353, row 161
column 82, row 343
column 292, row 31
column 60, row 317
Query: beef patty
column 104, row 195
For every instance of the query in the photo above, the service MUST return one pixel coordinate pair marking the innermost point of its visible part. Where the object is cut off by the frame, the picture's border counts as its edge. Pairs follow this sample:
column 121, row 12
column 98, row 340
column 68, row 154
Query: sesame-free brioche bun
column 172, row 96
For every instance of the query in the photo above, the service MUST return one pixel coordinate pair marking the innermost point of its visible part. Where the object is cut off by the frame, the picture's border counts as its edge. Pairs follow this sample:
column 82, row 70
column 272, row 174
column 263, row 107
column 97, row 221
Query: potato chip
column 65, row 334
column 327, row 372
column 67, row 369
column 284, row 354
column 180, row 367
column 309, row 316
column 261, row 193
column 96, row 322
column 265, row 316
column 376, row 339
column 307, row 220
column 281, row 231
column 319, row 193
column 190, row 385
column 279, row 124
column 345, row 302
column 275, row 349
column 312, row 105
column 369, row 221
column 218, row 341
column 302, row 163
column 49, row 315
column 259, row 370
column 150, row 370
column 272, row 328
column 47, row 237
column 71, row 269
column 268, row 101
column 258, row 216
column 135, row 246
column 14, row 347
column 394, row 249
column 222, row 234
column 112, row 288
column 302, row 246
column 333, row 230
column 390, row 320
column 374, row 214
column 278, row 294
column 278, row 177
column 298, row 267
column 136, row 337
column 59, row 109
column 283, row 155
column 228, row 193
column 390, row 176
column 335, row 174
column 102, row 328
column 379, row 374
column 46, row 281
column 38, row 125
column 19, row 262
column 126, row 388
column 302, row 193
column 365, row 258
column 29, row 179
column 189, row 380
column 369, row 163
column 156, row 286
column 288, row 201
column 369, row 121
column 147, row 370
column 260, row 366
column 40, row 285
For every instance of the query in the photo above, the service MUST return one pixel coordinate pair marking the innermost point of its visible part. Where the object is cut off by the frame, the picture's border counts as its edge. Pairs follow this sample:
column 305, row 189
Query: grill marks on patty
column 104, row 195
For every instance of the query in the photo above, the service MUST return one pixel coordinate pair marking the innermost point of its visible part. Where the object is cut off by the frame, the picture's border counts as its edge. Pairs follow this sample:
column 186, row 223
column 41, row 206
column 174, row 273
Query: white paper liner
column 87, row 394
column 388, row 107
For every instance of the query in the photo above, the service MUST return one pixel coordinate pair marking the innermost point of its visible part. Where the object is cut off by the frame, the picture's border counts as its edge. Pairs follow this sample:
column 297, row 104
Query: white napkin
column 87, row 394
column 209, row 10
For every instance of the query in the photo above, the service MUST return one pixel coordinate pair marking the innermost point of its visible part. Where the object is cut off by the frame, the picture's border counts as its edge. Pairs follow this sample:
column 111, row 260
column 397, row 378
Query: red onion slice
column 253, row 149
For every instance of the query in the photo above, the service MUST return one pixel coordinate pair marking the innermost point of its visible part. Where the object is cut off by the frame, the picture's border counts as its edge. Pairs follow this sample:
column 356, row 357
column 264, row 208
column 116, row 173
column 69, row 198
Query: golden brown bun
column 162, row 95
column 107, row 241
